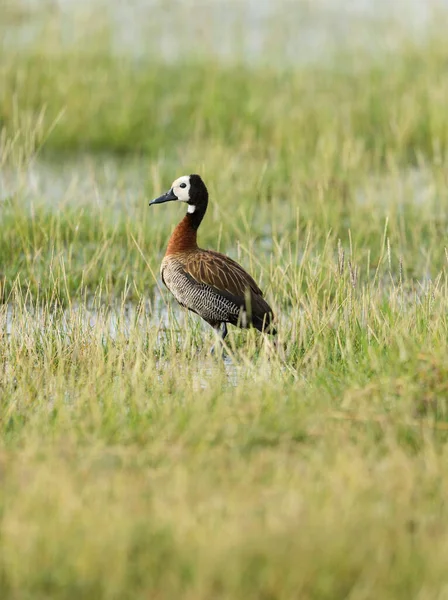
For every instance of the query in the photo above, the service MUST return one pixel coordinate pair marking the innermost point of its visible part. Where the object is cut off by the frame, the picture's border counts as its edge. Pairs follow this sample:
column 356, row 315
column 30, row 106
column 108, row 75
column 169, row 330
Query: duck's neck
column 184, row 236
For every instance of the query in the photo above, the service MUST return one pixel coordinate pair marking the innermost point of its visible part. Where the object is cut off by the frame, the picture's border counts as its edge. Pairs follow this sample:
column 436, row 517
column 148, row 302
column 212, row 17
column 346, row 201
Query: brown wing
column 227, row 278
column 222, row 273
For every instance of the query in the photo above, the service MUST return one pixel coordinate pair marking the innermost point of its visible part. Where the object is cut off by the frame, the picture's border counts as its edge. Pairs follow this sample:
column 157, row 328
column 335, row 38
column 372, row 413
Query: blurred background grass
column 131, row 464
column 272, row 132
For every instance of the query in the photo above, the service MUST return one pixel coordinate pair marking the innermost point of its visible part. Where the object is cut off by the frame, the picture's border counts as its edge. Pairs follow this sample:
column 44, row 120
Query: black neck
column 196, row 217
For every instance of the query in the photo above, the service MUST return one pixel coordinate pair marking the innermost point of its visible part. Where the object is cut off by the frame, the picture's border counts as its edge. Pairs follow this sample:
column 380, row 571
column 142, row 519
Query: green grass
column 132, row 464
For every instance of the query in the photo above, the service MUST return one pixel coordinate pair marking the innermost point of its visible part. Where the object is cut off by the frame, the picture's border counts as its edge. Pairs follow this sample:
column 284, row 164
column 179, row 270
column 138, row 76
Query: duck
column 206, row 282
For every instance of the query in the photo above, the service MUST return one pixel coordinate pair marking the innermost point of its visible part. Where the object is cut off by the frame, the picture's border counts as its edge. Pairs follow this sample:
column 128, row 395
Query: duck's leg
column 221, row 332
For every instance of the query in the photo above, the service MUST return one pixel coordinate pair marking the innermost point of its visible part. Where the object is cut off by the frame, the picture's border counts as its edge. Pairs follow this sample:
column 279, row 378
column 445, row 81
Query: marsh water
column 253, row 30
column 112, row 323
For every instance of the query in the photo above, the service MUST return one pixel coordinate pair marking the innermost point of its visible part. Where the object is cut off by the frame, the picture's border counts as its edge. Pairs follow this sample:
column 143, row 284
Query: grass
column 132, row 464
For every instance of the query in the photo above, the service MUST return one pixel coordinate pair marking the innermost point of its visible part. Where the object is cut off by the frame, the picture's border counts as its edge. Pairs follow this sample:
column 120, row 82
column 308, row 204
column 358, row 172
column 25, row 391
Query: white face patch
column 191, row 208
column 181, row 188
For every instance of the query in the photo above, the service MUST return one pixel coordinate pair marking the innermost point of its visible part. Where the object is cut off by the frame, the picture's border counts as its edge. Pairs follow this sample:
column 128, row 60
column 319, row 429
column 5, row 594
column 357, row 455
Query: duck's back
column 217, row 288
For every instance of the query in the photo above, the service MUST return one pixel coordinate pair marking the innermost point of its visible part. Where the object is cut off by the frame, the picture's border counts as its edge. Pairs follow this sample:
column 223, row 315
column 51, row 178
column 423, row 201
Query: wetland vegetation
column 133, row 464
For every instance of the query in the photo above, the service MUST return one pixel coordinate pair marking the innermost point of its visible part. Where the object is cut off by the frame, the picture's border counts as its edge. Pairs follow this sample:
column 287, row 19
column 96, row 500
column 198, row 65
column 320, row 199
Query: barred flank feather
column 216, row 288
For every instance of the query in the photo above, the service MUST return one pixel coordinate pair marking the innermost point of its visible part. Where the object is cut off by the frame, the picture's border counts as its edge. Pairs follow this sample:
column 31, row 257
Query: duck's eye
column 183, row 185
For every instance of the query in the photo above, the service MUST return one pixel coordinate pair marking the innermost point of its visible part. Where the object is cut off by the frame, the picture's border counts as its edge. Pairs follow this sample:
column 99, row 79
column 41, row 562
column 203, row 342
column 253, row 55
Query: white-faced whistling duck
column 206, row 282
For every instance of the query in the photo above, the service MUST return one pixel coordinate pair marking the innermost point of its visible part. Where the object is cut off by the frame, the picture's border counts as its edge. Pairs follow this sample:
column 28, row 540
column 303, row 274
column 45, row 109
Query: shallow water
column 117, row 323
column 121, row 184
column 82, row 180
column 286, row 30
column 412, row 186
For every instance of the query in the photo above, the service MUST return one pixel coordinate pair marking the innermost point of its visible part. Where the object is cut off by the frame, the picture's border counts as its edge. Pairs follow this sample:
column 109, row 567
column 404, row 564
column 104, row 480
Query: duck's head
column 188, row 188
